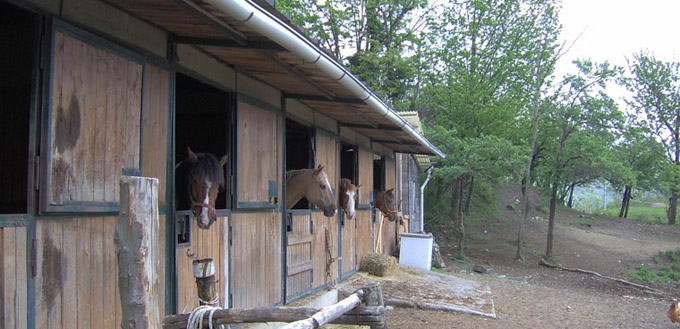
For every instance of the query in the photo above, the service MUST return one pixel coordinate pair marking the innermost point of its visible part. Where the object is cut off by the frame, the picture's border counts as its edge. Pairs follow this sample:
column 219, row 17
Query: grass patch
column 640, row 210
column 666, row 273
column 590, row 221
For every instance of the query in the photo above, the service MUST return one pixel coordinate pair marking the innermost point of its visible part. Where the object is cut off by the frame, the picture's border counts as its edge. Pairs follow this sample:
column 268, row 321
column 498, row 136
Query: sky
column 614, row 30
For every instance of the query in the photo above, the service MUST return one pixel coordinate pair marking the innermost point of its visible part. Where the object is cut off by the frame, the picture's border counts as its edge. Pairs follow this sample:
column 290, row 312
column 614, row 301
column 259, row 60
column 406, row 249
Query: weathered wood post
column 373, row 297
column 204, row 272
column 137, row 240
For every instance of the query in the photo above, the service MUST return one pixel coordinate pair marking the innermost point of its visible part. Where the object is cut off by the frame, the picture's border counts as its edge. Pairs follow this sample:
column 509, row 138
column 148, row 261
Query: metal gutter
column 262, row 21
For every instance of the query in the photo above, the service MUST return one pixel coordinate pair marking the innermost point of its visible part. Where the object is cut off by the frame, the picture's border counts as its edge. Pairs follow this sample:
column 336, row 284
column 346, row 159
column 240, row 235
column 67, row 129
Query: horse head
column 384, row 200
column 204, row 179
column 319, row 192
column 349, row 197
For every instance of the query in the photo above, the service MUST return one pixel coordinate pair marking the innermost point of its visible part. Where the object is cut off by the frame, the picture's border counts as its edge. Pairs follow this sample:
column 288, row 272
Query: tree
column 656, row 99
column 579, row 124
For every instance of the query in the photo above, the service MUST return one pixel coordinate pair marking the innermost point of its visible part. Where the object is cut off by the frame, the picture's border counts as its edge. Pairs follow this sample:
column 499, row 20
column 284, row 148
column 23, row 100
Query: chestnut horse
column 203, row 177
column 313, row 185
column 384, row 200
column 349, row 197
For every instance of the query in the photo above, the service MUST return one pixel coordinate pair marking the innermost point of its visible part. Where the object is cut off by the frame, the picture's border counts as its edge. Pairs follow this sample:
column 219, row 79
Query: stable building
column 93, row 90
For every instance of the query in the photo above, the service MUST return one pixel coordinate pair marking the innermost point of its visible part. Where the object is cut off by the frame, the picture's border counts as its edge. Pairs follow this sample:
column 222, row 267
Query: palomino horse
column 384, row 200
column 349, row 197
column 313, row 185
column 203, row 177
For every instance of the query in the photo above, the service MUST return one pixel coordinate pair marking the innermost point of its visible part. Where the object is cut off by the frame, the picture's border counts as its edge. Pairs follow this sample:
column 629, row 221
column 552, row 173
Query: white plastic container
column 416, row 250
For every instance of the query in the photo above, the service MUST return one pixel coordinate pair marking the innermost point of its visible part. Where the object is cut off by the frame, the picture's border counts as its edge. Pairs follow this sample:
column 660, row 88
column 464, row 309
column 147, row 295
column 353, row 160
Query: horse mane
column 208, row 166
column 295, row 172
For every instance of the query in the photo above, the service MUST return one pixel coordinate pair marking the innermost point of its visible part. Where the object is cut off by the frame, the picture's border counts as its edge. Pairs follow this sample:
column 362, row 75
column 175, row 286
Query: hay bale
column 378, row 264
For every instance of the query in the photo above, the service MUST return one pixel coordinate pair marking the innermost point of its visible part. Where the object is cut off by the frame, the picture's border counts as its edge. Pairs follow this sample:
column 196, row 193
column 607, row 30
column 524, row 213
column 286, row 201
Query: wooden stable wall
column 13, row 278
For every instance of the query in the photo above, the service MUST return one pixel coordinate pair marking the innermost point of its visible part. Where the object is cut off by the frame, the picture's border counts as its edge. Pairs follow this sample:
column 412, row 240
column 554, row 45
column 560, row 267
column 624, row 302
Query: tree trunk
column 672, row 207
column 623, row 201
column 551, row 221
column 571, row 196
column 459, row 214
column 469, row 195
column 630, row 196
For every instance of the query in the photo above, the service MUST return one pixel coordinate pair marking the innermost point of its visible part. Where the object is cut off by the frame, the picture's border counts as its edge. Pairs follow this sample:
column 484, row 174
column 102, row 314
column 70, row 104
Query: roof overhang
column 255, row 39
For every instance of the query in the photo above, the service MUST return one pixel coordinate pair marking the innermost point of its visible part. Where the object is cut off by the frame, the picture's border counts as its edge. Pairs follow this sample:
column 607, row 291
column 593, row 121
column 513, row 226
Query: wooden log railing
column 359, row 308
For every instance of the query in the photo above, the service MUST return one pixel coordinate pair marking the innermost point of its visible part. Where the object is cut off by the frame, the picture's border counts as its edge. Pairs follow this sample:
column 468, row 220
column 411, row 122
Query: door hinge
column 34, row 256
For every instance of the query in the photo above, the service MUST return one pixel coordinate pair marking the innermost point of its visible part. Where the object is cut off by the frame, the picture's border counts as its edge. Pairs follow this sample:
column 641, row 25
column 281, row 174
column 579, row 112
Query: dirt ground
column 527, row 295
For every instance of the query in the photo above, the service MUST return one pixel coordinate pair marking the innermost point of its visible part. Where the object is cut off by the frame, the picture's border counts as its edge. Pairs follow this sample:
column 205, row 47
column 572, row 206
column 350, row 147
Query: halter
column 384, row 205
column 211, row 209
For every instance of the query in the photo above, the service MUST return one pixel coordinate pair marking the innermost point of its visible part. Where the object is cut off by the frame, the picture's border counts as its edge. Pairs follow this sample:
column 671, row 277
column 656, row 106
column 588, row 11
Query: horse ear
column 389, row 191
column 223, row 160
column 318, row 169
column 191, row 155
column 358, row 186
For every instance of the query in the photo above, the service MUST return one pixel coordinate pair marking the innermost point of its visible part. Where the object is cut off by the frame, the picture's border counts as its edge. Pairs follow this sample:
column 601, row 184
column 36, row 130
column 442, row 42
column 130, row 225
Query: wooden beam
column 259, row 45
column 379, row 127
column 387, row 141
column 317, row 98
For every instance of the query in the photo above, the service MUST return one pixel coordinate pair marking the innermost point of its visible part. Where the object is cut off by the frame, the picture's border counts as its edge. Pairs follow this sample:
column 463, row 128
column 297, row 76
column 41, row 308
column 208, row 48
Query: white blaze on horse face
column 351, row 212
column 204, row 217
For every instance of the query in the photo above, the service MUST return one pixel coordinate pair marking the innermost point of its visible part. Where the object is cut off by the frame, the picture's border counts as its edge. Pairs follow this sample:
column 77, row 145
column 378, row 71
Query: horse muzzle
column 329, row 211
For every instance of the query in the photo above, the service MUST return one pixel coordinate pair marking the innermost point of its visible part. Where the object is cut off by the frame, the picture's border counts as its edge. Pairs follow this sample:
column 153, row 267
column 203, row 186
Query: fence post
column 137, row 240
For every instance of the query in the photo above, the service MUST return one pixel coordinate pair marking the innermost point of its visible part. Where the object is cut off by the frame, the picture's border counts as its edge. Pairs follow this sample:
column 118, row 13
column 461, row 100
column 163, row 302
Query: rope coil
column 195, row 320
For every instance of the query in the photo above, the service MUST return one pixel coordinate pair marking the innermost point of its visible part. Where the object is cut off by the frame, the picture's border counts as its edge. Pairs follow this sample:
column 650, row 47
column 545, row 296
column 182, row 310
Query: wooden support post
column 373, row 297
column 137, row 242
column 204, row 272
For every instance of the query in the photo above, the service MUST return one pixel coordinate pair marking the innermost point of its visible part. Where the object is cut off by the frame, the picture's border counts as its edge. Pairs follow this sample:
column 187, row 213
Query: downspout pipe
column 422, row 200
column 260, row 20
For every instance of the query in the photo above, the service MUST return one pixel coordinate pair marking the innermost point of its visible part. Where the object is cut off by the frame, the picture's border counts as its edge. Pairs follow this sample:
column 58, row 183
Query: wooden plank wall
column 13, row 278
column 326, row 155
column 256, row 259
column 389, row 227
column 211, row 243
column 95, row 121
column 257, row 161
column 365, row 233
column 77, row 285
column 155, row 111
column 299, row 256
column 348, row 234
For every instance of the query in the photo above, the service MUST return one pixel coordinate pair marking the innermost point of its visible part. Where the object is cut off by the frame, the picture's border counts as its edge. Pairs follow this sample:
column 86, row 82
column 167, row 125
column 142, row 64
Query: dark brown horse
column 349, row 197
column 203, row 176
column 384, row 200
column 313, row 185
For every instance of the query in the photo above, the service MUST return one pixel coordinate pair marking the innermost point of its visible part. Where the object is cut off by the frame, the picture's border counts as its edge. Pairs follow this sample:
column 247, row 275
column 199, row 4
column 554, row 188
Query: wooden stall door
column 298, row 255
column 13, row 278
column 390, row 228
column 256, row 259
column 94, row 119
column 212, row 243
column 365, row 234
